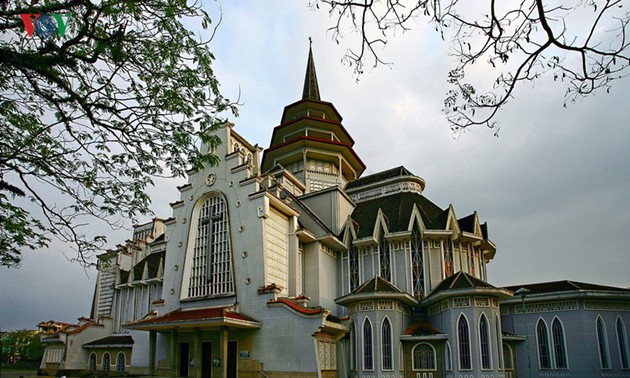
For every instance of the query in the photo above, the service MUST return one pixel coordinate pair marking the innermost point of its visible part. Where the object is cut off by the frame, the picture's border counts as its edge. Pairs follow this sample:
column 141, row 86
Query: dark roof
column 461, row 280
column 311, row 87
column 421, row 328
column 397, row 210
column 566, row 285
column 297, row 307
column 467, row 224
column 376, row 285
column 111, row 340
column 379, row 176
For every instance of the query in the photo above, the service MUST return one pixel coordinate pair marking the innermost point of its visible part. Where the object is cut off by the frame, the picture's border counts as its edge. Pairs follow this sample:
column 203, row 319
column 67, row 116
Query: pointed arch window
column 448, row 257
column 559, row 346
column 354, row 267
column 210, row 272
column 417, row 262
column 544, row 352
column 622, row 341
column 423, row 357
column 120, row 362
column 106, row 361
column 602, row 343
column 497, row 331
column 368, row 351
column 386, row 345
column 92, row 361
column 448, row 357
column 463, row 340
column 508, row 358
column 484, row 342
column 385, row 258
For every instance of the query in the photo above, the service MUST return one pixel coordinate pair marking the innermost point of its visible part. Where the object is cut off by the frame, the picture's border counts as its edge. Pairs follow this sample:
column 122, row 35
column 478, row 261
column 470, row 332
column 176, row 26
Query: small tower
column 311, row 142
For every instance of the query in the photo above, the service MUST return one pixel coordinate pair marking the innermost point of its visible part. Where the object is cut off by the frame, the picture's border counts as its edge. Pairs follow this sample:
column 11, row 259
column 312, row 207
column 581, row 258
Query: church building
column 289, row 262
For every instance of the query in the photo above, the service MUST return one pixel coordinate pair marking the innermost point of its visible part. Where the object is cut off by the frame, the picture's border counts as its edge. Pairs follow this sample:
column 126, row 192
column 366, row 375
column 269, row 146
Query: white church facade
column 288, row 262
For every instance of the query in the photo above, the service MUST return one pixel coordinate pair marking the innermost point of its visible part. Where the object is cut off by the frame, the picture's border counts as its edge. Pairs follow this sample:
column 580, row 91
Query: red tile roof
column 296, row 306
column 421, row 328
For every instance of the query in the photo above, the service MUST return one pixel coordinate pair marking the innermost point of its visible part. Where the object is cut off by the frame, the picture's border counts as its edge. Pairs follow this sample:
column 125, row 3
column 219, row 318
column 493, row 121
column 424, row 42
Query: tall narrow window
column 602, row 342
column 544, row 353
column 497, row 330
column 386, row 345
column 448, row 357
column 92, row 361
column 417, row 265
column 368, row 356
column 106, row 361
column 484, row 342
column 508, row 359
column 471, row 256
column 211, row 265
column 354, row 267
column 353, row 347
column 559, row 347
column 423, row 357
column 384, row 258
column 120, row 362
column 463, row 335
column 622, row 340
column 448, row 257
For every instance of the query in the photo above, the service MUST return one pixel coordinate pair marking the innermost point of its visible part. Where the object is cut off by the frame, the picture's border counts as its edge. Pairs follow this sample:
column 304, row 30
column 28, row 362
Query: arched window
column 559, row 346
column 210, row 261
column 508, row 357
column 120, row 362
column 463, row 336
column 622, row 341
column 368, row 355
column 92, row 361
column 602, row 342
column 386, row 345
column 484, row 342
column 544, row 352
column 106, row 361
column 448, row 357
column 423, row 357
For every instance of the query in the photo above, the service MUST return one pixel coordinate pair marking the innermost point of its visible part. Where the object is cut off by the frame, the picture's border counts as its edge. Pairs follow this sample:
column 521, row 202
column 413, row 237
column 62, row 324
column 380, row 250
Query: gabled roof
column 462, row 283
column 379, row 176
column 462, row 280
column 377, row 285
column 376, row 288
column 467, row 224
column 566, row 286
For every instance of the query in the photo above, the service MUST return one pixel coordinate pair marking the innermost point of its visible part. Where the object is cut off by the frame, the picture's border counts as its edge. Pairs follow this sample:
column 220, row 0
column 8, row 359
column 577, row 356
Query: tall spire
column 311, row 88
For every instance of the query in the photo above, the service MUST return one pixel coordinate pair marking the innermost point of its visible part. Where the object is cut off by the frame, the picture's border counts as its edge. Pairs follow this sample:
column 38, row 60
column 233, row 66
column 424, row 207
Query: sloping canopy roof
column 421, row 328
column 196, row 318
column 122, row 341
column 379, row 176
column 565, row 286
column 377, row 285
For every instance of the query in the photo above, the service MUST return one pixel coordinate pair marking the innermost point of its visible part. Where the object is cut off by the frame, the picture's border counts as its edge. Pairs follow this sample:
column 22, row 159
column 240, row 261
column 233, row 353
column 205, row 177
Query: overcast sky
column 554, row 187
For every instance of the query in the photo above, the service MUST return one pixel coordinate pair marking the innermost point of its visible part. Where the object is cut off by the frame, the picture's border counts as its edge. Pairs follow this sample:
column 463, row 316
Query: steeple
column 311, row 88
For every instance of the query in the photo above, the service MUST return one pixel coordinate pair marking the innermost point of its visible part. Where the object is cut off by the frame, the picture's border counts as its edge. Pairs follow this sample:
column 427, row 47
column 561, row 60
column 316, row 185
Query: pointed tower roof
column 311, row 88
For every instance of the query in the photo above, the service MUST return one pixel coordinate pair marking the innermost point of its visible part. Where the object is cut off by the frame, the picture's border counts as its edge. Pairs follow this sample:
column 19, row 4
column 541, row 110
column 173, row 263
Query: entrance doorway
column 206, row 360
column 231, row 360
column 184, row 357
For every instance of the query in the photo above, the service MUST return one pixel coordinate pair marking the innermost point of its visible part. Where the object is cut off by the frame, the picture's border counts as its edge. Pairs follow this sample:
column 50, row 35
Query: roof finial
column 311, row 88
